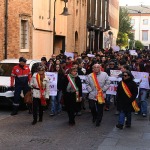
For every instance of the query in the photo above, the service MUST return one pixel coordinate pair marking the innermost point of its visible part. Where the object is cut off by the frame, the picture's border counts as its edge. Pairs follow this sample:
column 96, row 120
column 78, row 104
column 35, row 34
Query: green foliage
column 125, row 28
column 124, row 21
column 139, row 45
column 122, row 39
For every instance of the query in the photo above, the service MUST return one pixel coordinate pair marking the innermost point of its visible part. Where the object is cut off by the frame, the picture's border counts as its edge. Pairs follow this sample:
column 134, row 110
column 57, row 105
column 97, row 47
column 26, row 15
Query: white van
column 6, row 66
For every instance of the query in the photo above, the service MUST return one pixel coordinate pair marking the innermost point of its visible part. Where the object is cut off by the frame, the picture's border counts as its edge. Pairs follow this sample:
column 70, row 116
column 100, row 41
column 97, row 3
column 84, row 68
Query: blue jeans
column 122, row 116
column 143, row 100
column 108, row 96
column 55, row 103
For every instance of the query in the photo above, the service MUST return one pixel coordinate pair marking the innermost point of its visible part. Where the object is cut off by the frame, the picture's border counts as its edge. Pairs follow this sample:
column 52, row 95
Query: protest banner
column 53, row 82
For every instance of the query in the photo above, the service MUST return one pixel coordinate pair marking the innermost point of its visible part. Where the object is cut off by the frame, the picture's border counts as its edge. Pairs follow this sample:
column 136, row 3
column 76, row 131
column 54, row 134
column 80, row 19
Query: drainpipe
column 5, row 33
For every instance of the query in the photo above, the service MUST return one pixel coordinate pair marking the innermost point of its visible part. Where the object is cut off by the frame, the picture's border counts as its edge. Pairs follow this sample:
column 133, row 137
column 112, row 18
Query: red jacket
column 21, row 75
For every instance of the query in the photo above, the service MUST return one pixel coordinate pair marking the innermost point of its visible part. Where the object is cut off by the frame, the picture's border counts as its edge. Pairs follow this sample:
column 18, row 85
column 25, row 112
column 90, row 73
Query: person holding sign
column 126, row 94
column 97, row 84
column 40, row 89
column 72, row 93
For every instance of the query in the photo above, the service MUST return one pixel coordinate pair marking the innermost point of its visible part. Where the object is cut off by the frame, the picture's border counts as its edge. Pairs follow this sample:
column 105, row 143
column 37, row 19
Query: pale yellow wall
column 42, row 44
column 42, row 29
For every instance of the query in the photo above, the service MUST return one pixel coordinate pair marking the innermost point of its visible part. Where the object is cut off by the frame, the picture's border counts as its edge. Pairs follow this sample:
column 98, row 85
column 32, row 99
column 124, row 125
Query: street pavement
column 54, row 133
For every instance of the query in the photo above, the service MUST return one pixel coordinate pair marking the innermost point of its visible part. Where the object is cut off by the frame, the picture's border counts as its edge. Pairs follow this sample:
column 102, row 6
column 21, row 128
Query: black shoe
column 14, row 113
column 94, row 119
column 120, row 126
column 128, row 126
column 40, row 120
column 97, row 123
column 34, row 122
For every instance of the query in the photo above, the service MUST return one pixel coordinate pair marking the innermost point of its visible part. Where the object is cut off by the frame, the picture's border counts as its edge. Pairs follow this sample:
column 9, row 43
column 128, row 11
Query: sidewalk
column 135, row 138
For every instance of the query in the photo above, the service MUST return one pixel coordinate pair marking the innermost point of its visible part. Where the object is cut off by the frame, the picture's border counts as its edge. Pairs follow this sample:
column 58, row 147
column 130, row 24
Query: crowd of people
column 69, row 87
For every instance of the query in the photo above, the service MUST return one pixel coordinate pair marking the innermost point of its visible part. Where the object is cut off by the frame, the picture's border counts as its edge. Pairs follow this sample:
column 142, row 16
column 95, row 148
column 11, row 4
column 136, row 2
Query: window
column 144, row 35
column 24, row 34
column 145, row 21
column 132, row 21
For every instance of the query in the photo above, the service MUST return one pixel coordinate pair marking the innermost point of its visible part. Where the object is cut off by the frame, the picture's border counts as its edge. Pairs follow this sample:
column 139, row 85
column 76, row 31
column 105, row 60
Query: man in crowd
column 97, row 84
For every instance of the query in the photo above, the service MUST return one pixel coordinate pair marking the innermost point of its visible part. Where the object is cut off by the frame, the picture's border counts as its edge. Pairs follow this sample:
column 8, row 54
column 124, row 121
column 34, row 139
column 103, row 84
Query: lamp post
column 64, row 13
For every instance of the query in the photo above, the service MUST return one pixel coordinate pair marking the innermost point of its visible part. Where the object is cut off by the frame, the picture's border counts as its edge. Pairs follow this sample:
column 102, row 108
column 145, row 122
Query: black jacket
column 123, row 101
column 77, row 81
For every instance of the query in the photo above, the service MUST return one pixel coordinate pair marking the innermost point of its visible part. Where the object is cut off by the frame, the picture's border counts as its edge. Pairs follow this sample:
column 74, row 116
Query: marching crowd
column 97, row 67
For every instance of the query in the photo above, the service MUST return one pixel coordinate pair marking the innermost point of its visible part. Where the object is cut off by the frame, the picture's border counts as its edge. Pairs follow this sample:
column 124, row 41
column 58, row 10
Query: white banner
column 114, row 83
column 53, row 82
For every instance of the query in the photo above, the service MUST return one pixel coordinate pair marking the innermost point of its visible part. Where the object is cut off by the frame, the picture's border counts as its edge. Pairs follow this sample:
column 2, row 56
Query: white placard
column 90, row 55
column 115, row 48
column 143, row 77
column 133, row 52
column 83, row 80
column 115, row 73
column 53, row 76
column 69, row 54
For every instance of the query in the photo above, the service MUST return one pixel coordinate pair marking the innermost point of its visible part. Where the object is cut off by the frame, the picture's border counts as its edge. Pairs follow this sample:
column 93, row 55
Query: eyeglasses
column 111, row 64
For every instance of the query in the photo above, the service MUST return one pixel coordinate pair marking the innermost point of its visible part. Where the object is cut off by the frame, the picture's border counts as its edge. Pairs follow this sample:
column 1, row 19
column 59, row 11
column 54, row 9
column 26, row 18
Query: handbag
column 28, row 98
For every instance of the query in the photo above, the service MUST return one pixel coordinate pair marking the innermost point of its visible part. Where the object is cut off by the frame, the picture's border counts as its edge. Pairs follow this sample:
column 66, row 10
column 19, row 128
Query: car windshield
column 6, row 68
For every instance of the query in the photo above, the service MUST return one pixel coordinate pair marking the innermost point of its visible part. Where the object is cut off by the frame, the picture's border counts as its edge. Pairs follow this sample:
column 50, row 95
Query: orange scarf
column 100, row 96
column 40, row 85
column 127, row 91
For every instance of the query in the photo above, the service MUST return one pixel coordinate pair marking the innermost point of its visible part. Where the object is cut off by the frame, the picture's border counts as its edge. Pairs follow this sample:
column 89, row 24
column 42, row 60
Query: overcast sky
column 134, row 2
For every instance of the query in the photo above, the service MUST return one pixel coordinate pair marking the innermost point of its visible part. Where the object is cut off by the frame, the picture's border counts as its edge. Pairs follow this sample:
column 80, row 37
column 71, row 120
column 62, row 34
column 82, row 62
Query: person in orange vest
column 21, row 75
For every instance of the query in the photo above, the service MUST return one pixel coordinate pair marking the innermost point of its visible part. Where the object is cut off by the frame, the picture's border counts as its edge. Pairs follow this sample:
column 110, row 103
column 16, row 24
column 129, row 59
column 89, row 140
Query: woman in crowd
column 56, row 107
column 126, row 93
column 72, row 93
column 40, row 88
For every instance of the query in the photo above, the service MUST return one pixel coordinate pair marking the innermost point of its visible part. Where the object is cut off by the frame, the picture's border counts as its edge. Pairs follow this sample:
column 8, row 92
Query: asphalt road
column 54, row 133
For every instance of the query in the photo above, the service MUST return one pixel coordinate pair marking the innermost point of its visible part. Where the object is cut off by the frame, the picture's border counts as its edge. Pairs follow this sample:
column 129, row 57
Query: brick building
column 27, row 28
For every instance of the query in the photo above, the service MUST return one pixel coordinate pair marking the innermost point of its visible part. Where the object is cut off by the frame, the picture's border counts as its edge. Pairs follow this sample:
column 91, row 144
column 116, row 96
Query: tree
column 139, row 45
column 125, row 28
column 122, row 39
column 125, row 22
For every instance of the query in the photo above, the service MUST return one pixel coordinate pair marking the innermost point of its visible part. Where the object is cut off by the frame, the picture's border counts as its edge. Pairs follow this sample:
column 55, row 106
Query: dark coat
column 60, row 81
column 77, row 81
column 70, row 98
column 123, row 101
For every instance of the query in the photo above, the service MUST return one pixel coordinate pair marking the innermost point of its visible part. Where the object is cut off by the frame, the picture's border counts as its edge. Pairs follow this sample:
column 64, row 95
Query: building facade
column 140, row 20
column 35, row 28
column 102, row 23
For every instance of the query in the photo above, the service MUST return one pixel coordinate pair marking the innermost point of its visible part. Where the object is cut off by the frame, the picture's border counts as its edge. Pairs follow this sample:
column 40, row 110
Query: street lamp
column 64, row 13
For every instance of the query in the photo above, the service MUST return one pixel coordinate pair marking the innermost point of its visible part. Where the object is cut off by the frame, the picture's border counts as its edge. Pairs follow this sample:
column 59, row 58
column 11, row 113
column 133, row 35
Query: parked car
column 6, row 66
